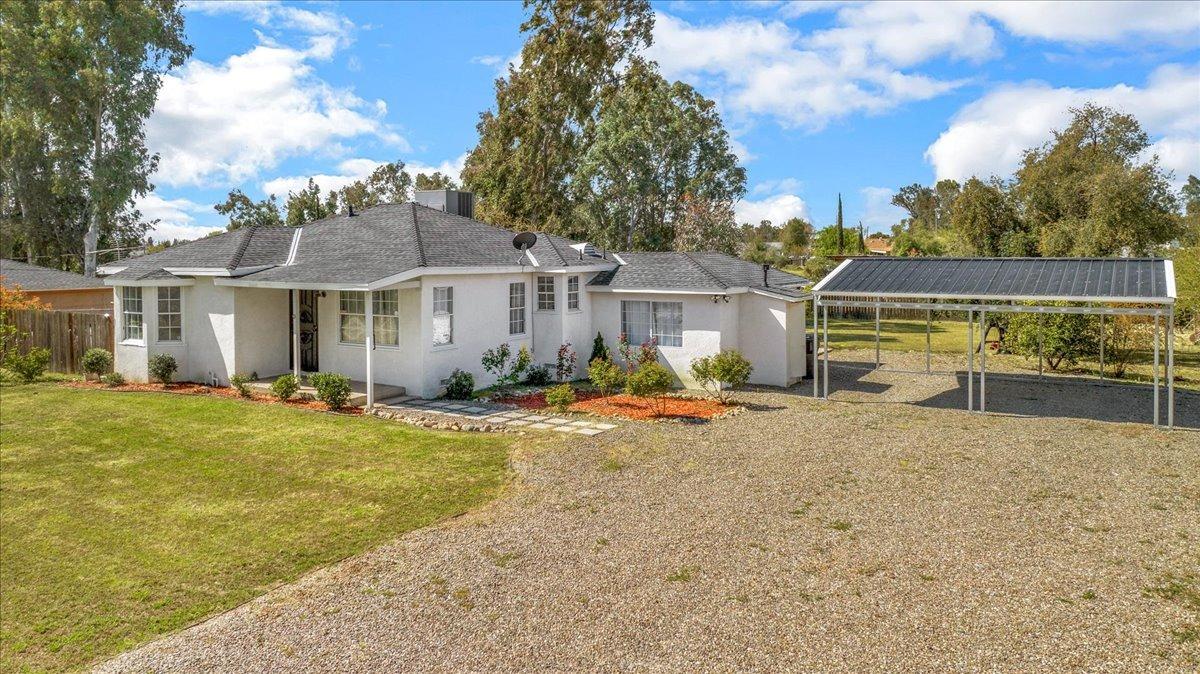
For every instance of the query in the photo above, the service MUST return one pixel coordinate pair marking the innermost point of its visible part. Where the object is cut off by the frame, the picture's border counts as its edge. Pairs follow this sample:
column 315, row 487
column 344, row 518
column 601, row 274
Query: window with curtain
column 573, row 293
column 170, row 314
column 131, row 313
column 443, row 316
column 387, row 317
column 352, row 317
column 642, row 320
column 516, row 308
column 545, row 293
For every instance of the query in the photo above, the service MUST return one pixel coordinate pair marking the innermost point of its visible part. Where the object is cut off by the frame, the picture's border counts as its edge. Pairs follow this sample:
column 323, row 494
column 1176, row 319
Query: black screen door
column 308, row 331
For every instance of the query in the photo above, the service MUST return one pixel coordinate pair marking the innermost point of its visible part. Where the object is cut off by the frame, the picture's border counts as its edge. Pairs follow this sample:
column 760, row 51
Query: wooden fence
column 68, row 334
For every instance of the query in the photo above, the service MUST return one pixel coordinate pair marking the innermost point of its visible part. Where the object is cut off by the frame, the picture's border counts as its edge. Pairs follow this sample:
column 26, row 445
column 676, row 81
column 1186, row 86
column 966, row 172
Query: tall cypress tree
column 840, row 230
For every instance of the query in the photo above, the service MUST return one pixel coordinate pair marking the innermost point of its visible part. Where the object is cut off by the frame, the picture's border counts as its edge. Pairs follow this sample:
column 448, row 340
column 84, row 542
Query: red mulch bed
column 192, row 388
column 627, row 406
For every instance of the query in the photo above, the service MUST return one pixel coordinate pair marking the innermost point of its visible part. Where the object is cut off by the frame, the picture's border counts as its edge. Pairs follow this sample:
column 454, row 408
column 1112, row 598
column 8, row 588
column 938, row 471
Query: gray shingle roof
column 1003, row 278
column 33, row 277
column 694, row 271
column 246, row 247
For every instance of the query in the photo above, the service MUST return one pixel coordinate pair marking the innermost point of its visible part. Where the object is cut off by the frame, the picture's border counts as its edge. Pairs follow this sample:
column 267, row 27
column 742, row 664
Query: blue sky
column 820, row 98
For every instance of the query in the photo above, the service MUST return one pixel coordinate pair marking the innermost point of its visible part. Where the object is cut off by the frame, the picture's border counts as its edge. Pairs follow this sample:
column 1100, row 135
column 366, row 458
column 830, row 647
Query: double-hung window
column 352, row 317
column 516, row 308
column 170, row 314
column 545, row 293
column 131, row 313
column 573, row 293
column 443, row 316
column 387, row 317
column 643, row 320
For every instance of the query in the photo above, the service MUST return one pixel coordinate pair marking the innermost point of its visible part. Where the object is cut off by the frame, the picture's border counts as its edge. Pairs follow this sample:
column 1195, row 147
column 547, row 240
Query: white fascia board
column 216, row 271
column 786, row 298
column 107, row 270
column 577, row 270
column 619, row 260
column 149, row 283
column 1169, row 268
column 821, row 284
column 288, row 285
column 667, row 291
column 884, row 297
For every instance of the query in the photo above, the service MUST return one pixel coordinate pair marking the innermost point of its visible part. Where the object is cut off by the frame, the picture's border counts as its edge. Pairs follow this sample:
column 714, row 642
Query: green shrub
column 238, row 382
column 460, row 385
column 28, row 366
column 506, row 368
column 651, row 380
column 1065, row 337
column 285, row 386
column 560, row 397
column 162, row 367
column 599, row 349
column 729, row 368
column 97, row 361
column 605, row 375
column 113, row 379
column 538, row 376
column 333, row 389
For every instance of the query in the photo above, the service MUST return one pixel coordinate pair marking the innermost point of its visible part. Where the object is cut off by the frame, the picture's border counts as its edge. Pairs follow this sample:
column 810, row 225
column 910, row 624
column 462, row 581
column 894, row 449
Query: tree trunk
column 92, row 236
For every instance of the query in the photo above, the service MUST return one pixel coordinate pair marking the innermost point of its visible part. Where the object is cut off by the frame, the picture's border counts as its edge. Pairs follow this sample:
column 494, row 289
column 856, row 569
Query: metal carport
column 1098, row 286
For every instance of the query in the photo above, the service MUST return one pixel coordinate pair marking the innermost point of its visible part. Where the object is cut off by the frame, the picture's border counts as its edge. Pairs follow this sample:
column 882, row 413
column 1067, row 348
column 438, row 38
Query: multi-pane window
column 516, row 308
column 642, row 320
column 573, row 293
column 170, row 314
column 545, row 293
column 443, row 316
column 131, row 312
column 387, row 317
column 352, row 316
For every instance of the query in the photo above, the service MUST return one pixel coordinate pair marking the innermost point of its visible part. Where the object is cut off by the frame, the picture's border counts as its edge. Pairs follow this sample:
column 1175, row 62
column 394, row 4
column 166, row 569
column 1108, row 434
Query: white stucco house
column 403, row 294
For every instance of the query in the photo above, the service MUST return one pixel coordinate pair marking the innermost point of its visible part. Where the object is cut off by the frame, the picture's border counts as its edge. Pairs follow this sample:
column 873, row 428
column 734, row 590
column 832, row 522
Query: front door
column 308, row 331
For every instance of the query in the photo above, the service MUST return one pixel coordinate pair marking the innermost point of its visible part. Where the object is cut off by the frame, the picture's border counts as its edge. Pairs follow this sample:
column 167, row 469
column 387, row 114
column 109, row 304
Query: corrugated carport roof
column 1140, row 280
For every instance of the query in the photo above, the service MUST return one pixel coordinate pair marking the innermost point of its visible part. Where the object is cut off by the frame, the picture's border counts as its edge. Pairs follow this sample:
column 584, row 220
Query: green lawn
column 950, row 337
column 129, row 515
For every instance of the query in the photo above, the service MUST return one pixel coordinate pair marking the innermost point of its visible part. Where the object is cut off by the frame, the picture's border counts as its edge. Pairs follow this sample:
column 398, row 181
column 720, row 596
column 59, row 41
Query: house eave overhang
column 217, row 271
column 149, row 283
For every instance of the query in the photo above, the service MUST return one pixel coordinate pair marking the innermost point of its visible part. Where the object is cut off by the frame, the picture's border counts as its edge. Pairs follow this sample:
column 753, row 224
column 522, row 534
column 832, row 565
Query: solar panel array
column 1133, row 279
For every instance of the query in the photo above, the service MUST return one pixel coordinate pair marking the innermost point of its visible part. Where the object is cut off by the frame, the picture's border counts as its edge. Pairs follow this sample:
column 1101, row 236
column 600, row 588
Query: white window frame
column 386, row 305
column 178, row 292
column 653, row 308
column 447, row 310
column 517, row 313
column 546, row 300
column 345, row 313
column 573, row 294
column 129, row 295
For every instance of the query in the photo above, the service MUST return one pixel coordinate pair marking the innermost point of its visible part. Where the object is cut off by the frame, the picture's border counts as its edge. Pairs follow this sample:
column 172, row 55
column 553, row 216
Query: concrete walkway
column 498, row 414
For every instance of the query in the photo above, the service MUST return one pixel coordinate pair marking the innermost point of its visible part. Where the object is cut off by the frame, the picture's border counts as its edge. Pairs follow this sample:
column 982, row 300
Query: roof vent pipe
column 766, row 268
column 351, row 211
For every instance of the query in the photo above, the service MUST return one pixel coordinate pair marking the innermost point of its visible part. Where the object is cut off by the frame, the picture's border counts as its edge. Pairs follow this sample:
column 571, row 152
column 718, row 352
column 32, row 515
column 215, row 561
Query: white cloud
column 758, row 67
column 878, row 212
column 1098, row 21
column 275, row 16
column 489, row 60
column 780, row 186
column 176, row 217
column 988, row 136
column 778, row 209
column 351, row 170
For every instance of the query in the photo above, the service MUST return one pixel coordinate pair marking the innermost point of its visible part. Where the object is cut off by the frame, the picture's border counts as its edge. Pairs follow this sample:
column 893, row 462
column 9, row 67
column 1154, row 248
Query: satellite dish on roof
column 524, row 240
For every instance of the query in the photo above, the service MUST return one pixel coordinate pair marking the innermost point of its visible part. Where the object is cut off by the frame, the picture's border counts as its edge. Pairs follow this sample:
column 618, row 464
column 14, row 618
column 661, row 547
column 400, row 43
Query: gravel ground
column 860, row 535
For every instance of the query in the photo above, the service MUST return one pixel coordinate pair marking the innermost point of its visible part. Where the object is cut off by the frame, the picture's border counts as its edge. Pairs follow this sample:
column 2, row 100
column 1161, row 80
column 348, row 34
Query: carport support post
column 1040, row 345
column 1171, row 369
column 825, row 339
column 970, row 360
column 370, row 343
column 1156, row 340
column 295, row 297
column 1101, row 347
column 983, row 363
column 816, row 363
column 876, row 336
column 928, row 342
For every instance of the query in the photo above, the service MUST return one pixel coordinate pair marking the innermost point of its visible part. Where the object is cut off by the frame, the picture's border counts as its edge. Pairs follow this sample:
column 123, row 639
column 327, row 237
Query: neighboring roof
column 1049, row 279
column 373, row 244
column 694, row 271
column 33, row 277
column 877, row 243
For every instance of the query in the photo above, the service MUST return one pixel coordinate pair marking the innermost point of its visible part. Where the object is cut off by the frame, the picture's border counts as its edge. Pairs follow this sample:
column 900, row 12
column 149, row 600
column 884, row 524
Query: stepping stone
column 605, row 427
column 588, row 431
column 557, row 420
column 581, row 423
column 540, row 426
column 497, row 420
column 564, row 429
column 515, row 415
column 475, row 410
column 535, row 417
column 516, row 422
column 438, row 403
column 456, row 407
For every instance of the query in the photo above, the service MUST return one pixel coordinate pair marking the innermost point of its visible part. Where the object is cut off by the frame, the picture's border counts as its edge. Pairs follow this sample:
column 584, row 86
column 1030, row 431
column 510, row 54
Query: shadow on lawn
column 1019, row 394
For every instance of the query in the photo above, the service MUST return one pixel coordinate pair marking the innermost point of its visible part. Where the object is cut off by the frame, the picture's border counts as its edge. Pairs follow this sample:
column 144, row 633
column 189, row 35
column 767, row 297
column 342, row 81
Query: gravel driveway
column 799, row 536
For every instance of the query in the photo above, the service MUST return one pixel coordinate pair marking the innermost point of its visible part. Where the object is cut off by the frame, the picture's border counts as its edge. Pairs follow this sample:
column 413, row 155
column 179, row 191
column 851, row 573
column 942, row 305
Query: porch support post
column 876, row 336
column 370, row 342
column 1156, row 340
column 295, row 296
column 983, row 363
column 970, row 360
column 928, row 337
